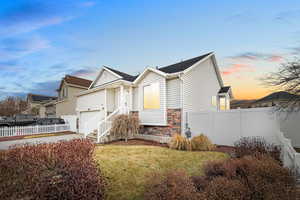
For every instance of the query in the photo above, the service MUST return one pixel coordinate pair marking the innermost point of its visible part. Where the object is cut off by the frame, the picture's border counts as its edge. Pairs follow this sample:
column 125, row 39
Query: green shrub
column 180, row 143
column 125, row 126
column 255, row 146
column 63, row 170
column 202, row 143
column 222, row 188
column 174, row 185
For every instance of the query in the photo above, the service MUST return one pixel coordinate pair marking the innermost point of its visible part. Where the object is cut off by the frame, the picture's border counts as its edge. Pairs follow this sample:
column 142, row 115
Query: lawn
column 127, row 167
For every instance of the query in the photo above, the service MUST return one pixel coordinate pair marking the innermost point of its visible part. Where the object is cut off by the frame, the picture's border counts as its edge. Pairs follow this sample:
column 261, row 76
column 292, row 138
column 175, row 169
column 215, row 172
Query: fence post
column 55, row 128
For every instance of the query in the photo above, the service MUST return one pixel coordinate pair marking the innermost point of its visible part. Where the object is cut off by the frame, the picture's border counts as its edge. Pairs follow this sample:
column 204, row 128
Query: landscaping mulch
column 3, row 139
column 138, row 142
column 220, row 148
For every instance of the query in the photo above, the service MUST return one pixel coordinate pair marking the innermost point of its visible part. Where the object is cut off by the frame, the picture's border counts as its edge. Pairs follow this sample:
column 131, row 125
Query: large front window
column 151, row 96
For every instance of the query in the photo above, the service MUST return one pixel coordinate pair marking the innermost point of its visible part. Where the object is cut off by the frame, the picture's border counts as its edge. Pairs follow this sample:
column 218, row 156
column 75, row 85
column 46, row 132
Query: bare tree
column 287, row 78
column 11, row 106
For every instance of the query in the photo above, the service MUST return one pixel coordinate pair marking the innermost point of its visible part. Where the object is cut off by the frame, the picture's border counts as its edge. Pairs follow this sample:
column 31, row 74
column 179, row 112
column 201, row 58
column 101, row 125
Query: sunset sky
column 41, row 41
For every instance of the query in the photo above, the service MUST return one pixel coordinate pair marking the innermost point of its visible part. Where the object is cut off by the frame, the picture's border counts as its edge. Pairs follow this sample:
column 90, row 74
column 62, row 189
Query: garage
column 90, row 107
column 89, row 120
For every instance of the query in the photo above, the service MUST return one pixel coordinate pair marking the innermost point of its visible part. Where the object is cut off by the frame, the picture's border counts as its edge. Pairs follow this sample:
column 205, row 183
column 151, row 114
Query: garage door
column 89, row 120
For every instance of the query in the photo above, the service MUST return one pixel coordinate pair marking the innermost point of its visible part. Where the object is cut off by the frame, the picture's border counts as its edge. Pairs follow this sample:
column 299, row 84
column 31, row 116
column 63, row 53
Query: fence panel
column 226, row 127
column 32, row 130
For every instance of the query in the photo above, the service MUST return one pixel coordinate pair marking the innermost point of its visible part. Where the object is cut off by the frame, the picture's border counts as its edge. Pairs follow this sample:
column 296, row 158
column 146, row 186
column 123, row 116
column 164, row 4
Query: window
column 151, row 96
column 214, row 101
column 223, row 104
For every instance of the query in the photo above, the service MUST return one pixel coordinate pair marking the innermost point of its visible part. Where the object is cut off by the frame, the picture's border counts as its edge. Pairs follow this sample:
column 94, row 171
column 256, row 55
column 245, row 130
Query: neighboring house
column 159, row 96
column 48, row 109
column 69, row 87
column 35, row 102
column 273, row 99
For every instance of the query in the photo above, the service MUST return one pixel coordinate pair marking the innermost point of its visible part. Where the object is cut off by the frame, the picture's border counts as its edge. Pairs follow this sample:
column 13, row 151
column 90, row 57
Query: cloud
column 88, row 4
column 288, row 16
column 254, row 56
column 46, row 88
column 237, row 68
column 84, row 72
column 31, row 16
column 13, row 48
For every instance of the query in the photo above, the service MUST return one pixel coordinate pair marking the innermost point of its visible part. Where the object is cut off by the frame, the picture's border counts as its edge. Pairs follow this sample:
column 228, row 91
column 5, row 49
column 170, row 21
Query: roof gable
column 73, row 80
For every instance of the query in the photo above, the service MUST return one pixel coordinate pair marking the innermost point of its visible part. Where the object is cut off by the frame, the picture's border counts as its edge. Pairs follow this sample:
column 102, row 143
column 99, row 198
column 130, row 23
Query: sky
column 42, row 41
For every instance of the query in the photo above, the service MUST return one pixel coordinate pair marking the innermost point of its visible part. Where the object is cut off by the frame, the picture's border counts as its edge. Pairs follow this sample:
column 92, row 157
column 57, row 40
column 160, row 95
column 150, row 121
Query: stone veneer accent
column 173, row 127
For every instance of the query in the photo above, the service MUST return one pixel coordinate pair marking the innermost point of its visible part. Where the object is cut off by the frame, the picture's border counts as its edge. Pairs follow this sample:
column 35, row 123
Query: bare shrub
column 255, row 146
column 265, row 177
column 174, row 185
column 125, row 126
column 63, row 170
column 180, row 143
column 202, row 143
column 222, row 188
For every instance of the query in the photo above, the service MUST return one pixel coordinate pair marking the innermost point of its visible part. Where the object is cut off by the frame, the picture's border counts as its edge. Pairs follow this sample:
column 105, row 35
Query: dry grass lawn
column 127, row 167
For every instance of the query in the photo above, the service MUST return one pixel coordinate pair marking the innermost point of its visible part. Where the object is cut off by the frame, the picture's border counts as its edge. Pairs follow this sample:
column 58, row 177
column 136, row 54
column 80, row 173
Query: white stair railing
column 104, row 126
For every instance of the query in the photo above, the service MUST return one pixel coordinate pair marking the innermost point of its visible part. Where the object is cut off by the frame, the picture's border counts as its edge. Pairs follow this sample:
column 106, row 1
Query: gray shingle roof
column 181, row 66
column 224, row 89
column 125, row 76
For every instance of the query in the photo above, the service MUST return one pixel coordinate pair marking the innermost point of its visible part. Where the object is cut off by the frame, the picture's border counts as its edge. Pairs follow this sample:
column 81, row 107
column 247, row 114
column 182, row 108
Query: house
column 68, row 88
column 160, row 96
column 35, row 102
column 48, row 109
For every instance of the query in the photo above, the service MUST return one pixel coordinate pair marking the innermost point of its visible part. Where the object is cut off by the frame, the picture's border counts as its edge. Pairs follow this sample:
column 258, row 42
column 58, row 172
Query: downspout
column 181, row 105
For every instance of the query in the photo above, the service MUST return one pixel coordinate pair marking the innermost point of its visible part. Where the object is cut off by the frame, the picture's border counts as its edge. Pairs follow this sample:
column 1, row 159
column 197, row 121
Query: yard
column 127, row 167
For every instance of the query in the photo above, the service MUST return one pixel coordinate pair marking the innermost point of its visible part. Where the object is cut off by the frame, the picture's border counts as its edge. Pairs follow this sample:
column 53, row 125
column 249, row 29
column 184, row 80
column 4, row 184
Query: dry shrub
column 174, row 185
column 63, row 170
column 180, row 143
column 125, row 126
column 202, row 143
column 255, row 146
column 200, row 182
column 265, row 177
column 222, row 188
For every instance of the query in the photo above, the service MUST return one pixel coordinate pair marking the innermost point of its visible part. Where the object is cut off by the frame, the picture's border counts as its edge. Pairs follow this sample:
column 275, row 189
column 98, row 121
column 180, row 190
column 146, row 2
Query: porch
column 100, row 105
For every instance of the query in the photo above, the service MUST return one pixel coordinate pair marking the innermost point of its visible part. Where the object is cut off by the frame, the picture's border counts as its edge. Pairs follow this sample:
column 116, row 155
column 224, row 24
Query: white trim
column 101, row 87
column 99, row 74
column 145, row 71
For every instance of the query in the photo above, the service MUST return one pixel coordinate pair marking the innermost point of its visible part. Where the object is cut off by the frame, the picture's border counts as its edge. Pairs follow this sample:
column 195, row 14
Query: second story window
column 65, row 92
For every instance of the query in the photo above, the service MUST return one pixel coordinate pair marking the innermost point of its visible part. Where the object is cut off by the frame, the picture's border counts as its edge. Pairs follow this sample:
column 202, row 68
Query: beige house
column 48, row 109
column 35, row 103
column 69, row 87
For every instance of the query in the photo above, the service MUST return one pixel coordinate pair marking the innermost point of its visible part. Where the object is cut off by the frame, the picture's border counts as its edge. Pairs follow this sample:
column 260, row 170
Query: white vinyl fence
column 33, row 130
column 226, row 127
column 289, row 156
column 72, row 120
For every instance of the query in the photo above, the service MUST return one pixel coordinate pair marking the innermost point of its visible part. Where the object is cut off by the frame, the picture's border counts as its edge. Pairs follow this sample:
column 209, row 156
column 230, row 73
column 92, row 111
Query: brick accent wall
column 173, row 127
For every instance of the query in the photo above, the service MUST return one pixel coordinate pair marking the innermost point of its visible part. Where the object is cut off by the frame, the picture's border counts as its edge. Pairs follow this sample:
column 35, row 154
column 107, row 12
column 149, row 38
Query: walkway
column 5, row 144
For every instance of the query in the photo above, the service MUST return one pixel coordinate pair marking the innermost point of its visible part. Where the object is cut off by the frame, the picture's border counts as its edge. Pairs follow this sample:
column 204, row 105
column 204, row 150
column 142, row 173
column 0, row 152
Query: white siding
column 110, row 93
column 105, row 77
column 135, row 98
column 173, row 93
column 91, row 101
column 199, row 85
column 158, row 116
